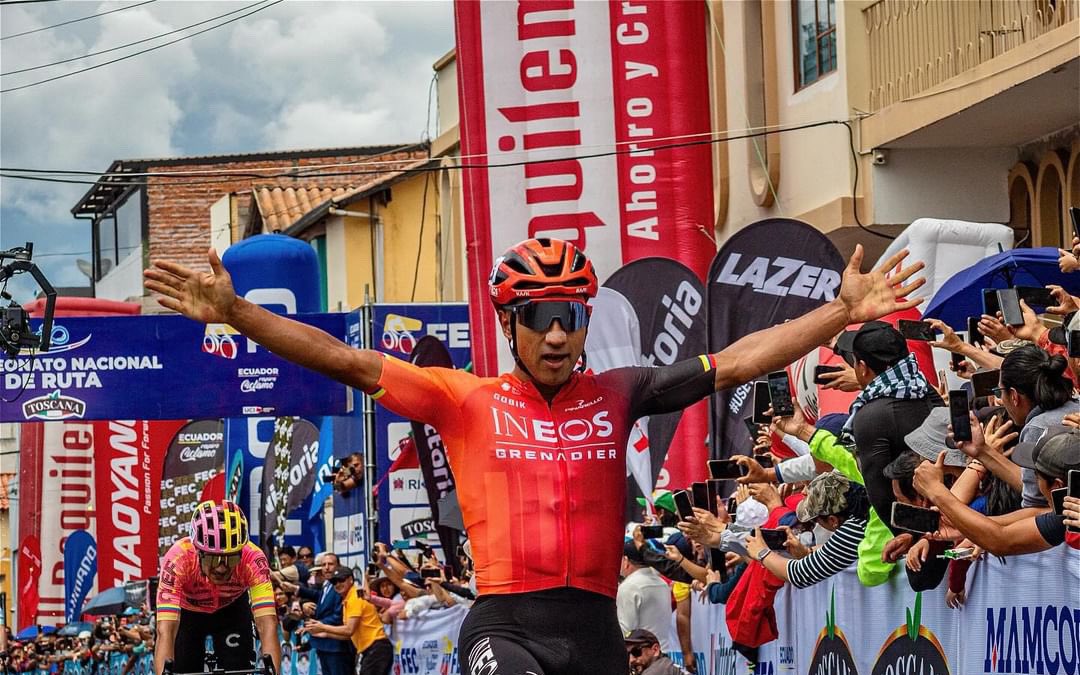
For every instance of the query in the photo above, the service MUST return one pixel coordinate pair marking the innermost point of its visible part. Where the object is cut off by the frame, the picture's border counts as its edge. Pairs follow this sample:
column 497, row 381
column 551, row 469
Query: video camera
column 15, row 332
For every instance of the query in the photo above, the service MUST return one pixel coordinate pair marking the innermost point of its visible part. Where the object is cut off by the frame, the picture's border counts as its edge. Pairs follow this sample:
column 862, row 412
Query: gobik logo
column 912, row 648
column 482, row 659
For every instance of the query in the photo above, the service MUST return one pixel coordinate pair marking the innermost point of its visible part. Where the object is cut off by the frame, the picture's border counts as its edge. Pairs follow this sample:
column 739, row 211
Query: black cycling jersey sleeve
column 670, row 388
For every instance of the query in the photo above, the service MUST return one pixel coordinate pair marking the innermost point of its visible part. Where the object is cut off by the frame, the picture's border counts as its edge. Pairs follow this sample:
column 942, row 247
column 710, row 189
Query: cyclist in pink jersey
column 215, row 583
column 524, row 448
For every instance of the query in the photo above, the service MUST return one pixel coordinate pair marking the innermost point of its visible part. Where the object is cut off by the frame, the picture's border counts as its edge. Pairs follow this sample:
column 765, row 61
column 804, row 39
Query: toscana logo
column 912, row 648
column 832, row 654
column 53, row 407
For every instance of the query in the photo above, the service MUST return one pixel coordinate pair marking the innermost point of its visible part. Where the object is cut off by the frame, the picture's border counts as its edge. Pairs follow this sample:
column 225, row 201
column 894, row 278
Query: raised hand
column 206, row 297
column 1067, row 304
column 871, row 296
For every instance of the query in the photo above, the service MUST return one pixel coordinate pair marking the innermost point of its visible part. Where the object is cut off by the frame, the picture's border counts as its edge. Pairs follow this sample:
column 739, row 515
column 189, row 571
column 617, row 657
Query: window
column 814, row 33
column 119, row 233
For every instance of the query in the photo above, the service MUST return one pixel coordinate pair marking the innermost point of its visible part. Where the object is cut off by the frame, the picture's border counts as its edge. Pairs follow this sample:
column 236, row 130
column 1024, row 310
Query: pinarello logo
column 53, row 407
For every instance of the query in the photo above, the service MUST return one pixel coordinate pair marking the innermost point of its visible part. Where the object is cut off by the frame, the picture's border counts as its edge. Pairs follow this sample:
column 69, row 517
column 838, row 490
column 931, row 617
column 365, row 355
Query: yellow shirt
column 370, row 627
column 680, row 590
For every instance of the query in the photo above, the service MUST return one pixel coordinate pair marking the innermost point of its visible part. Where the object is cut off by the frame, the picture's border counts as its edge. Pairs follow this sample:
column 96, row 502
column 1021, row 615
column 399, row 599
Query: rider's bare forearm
column 774, row 348
column 267, row 628
column 165, row 644
column 306, row 345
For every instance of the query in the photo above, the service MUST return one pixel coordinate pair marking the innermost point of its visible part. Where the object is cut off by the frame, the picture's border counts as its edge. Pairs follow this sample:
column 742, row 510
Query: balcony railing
column 918, row 44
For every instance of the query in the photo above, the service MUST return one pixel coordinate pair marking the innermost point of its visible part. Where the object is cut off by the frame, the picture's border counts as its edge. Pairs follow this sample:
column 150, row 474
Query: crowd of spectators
column 891, row 485
column 109, row 644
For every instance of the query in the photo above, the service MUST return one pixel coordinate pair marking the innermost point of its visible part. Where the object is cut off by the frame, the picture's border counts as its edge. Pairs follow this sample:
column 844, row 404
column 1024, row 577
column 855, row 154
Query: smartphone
column 958, row 414
column 821, row 370
column 774, row 539
column 429, row 573
column 1057, row 499
column 725, row 469
column 766, row 461
column 761, row 403
column 1072, row 343
column 683, row 504
column 916, row 330
column 1009, row 305
column 751, row 427
column 1074, row 214
column 718, row 563
column 914, row 518
column 983, row 383
column 652, row 531
column 975, row 336
column 990, row 301
column 957, row 360
column 1035, row 296
column 700, row 492
column 732, row 507
column 372, row 570
column 1074, row 490
column 780, row 394
column 460, row 552
column 716, row 489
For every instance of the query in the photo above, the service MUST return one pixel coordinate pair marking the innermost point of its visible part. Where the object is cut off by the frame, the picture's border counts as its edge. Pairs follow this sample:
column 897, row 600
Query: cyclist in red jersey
column 215, row 583
column 538, row 453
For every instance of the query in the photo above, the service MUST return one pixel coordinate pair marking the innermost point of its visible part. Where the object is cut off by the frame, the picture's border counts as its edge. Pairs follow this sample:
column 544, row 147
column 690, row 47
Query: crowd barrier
column 144, row 665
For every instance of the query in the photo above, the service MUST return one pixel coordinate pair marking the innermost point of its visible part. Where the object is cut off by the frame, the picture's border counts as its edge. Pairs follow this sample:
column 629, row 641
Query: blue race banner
column 80, row 568
column 162, row 368
column 350, row 435
column 396, row 329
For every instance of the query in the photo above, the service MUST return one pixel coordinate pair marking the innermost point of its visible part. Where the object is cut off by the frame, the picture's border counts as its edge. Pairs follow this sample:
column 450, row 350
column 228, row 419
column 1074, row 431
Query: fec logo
column 832, row 654
column 912, row 648
column 54, row 406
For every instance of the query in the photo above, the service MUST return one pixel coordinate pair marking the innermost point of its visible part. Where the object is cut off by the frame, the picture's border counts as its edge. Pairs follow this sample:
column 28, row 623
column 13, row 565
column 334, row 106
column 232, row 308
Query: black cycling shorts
column 232, row 628
column 560, row 631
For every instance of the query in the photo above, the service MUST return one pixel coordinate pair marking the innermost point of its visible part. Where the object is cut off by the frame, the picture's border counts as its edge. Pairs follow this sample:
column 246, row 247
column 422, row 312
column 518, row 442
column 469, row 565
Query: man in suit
column 336, row 657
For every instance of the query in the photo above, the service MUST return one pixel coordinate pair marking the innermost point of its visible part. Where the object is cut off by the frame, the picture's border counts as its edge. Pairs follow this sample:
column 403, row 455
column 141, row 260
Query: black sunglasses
column 998, row 391
column 636, row 651
column 538, row 315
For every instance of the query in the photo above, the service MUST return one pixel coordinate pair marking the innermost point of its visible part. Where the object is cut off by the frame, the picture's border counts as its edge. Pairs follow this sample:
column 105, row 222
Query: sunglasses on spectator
column 636, row 651
column 539, row 315
column 215, row 561
column 998, row 391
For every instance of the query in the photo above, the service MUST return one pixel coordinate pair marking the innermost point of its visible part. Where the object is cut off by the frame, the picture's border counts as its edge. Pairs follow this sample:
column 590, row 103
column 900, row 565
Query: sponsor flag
column 29, row 572
column 289, row 473
column 431, row 453
column 752, row 286
column 80, row 568
column 195, row 455
column 576, row 106
column 128, row 462
column 651, row 313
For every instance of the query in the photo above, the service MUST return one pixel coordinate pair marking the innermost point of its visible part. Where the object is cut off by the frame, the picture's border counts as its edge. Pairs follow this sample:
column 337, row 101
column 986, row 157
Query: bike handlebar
column 265, row 667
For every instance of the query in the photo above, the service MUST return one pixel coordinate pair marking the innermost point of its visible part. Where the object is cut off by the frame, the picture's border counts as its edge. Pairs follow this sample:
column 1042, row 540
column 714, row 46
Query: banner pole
column 369, row 433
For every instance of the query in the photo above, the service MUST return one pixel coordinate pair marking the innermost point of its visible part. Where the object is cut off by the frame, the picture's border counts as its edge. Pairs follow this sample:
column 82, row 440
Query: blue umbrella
column 31, row 632
column 74, row 628
column 112, row 601
column 961, row 296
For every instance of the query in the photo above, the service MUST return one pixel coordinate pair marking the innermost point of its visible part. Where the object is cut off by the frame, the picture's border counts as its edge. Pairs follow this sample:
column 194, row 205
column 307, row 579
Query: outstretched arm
column 863, row 297
column 210, row 298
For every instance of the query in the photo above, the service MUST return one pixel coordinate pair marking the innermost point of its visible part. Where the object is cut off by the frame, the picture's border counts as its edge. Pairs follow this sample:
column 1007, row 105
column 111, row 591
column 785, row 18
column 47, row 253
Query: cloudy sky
column 298, row 74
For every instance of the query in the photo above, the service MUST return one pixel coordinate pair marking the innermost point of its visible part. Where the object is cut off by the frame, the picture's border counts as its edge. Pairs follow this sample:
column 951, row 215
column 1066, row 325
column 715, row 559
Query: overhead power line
column 131, row 44
column 144, row 51
column 22, row 2
column 68, row 23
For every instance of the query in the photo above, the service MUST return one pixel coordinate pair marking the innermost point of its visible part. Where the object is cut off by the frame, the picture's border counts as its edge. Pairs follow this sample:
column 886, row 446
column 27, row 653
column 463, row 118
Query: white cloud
column 327, row 124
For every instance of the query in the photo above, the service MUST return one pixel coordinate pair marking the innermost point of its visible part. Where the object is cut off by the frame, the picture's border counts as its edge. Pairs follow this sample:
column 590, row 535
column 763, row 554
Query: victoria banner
column 576, row 108
column 751, row 287
column 396, row 330
column 649, row 313
column 288, row 475
column 162, row 368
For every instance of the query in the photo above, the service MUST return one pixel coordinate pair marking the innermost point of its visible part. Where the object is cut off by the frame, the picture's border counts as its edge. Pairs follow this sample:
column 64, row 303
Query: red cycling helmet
column 541, row 268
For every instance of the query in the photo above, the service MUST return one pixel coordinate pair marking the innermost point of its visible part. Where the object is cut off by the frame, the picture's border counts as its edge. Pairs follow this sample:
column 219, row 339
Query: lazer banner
column 196, row 454
column 80, row 567
column 752, row 287
column 161, row 367
column 431, row 453
column 651, row 313
column 575, row 107
column 128, row 459
column 404, row 512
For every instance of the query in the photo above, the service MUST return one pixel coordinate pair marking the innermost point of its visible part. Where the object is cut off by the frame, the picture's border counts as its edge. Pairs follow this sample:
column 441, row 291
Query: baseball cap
column 632, row 553
column 640, row 636
column 931, row 437
column 825, row 495
column 340, row 574
column 876, row 340
column 662, row 499
column 1054, row 454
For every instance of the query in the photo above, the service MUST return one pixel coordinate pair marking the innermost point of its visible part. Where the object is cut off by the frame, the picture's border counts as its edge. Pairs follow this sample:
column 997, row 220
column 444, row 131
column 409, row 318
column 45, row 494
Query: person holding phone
column 540, row 289
column 1026, row 531
column 837, row 505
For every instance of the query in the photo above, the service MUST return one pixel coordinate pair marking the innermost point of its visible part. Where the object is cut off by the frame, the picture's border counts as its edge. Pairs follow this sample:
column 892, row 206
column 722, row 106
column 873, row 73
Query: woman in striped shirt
column 836, row 504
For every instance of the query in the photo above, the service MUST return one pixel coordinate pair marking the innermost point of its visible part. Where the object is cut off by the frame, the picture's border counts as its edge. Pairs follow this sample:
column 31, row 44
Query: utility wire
column 144, row 51
column 23, row 2
column 130, row 44
column 84, row 18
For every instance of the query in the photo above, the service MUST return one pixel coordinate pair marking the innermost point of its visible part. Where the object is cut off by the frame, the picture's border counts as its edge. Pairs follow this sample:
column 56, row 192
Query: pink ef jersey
column 183, row 585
